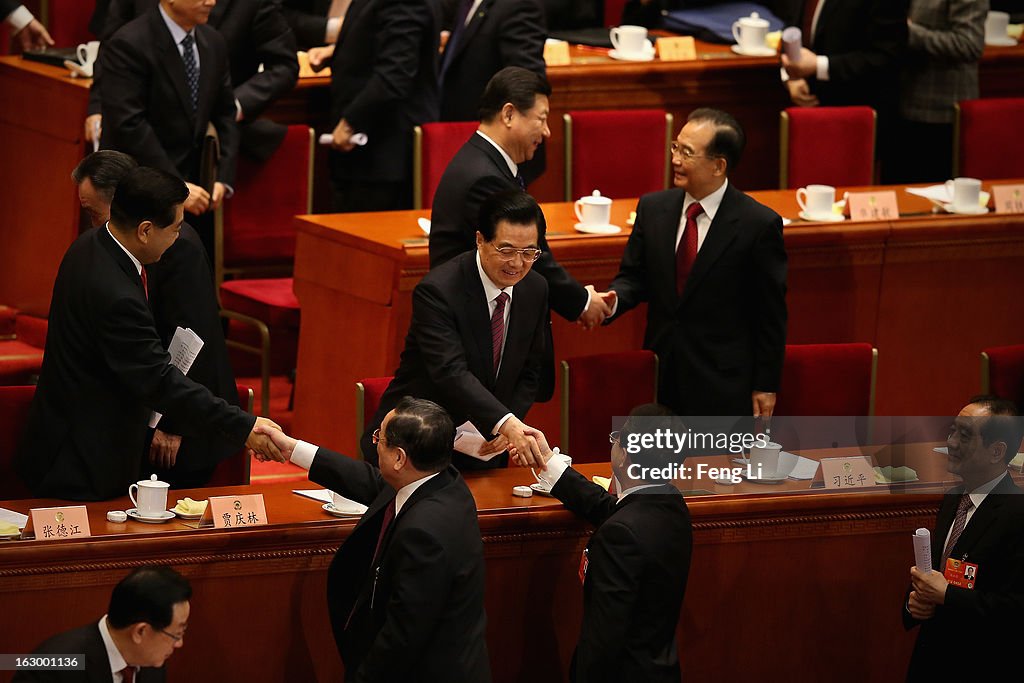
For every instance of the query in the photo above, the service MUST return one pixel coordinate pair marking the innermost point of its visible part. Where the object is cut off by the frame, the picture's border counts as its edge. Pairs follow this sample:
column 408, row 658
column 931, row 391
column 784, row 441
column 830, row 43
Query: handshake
column 268, row 442
column 600, row 307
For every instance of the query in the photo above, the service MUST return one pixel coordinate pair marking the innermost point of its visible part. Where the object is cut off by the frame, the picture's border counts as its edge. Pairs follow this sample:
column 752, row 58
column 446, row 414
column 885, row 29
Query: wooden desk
column 765, row 562
column 905, row 286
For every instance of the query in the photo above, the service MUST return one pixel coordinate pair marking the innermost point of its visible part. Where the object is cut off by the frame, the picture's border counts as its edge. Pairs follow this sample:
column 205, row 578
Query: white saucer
column 645, row 56
column 346, row 512
column 755, row 52
column 1001, row 42
column 608, row 229
column 198, row 515
column 832, row 218
column 981, row 210
column 158, row 519
column 424, row 224
column 773, row 479
column 540, row 488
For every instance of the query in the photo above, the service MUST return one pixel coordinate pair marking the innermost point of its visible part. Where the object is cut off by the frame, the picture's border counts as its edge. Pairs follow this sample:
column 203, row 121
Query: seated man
column 406, row 590
column 144, row 624
column 636, row 563
column 476, row 340
column 969, row 625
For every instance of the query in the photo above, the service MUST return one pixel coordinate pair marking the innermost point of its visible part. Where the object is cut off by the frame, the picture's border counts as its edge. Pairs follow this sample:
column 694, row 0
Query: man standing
column 105, row 367
column 969, row 605
column 711, row 265
column 144, row 624
column 406, row 590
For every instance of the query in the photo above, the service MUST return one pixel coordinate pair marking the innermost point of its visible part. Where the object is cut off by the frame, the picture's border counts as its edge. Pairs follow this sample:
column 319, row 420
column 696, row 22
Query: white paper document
column 923, row 550
column 468, row 441
column 798, row 466
column 935, row 193
column 16, row 518
column 322, row 495
column 184, row 347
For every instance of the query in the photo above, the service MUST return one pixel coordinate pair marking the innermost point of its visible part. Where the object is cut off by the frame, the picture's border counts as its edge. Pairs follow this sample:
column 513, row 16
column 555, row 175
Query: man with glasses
column 144, row 624
column 710, row 263
column 477, row 336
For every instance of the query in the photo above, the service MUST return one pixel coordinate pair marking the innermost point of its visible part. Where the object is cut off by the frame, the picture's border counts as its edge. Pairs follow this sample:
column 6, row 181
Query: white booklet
column 184, row 347
column 469, row 440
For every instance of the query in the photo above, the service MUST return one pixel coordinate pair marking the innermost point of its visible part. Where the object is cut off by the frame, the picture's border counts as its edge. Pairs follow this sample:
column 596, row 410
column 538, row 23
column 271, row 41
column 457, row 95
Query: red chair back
column 827, row 380
column 597, row 142
column 596, row 389
column 368, row 394
column 14, row 406
column 1002, row 372
column 827, row 145
column 979, row 124
column 234, row 469
column 613, row 12
column 434, row 146
column 68, row 21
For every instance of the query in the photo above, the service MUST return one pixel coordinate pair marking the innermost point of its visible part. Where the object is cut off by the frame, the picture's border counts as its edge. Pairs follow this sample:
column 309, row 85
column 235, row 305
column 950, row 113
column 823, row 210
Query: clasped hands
column 928, row 591
column 798, row 72
column 267, row 442
column 598, row 309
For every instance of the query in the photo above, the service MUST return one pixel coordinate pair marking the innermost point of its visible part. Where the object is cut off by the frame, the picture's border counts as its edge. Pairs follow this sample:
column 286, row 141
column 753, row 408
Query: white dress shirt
column 114, row 656
column 710, row 205
column 178, row 34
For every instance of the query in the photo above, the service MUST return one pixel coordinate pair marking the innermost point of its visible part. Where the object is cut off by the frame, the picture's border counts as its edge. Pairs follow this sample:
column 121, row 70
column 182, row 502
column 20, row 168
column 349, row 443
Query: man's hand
column 495, row 445
column 198, row 201
column 219, row 191
column 261, row 444
column 33, row 37
column 763, row 403
column 343, row 137
column 919, row 609
column 930, row 587
column 163, row 451
column 284, row 443
column 527, row 452
column 541, row 441
column 93, row 127
column 800, row 93
column 597, row 310
column 320, row 57
column 804, row 67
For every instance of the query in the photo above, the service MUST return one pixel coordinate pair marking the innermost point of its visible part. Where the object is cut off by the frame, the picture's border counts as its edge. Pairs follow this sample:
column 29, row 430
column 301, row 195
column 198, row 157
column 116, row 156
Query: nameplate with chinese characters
column 1008, row 198
column 847, row 473
column 235, row 512
column 556, row 53
column 873, row 206
column 676, row 49
column 58, row 524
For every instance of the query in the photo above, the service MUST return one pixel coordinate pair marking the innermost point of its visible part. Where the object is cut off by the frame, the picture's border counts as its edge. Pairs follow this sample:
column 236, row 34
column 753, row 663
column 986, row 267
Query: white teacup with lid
column 750, row 32
column 152, row 496
column 594, row 210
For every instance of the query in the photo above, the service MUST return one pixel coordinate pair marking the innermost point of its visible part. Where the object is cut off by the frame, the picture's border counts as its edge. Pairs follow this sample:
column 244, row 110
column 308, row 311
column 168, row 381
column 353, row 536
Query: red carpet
column 280, row 393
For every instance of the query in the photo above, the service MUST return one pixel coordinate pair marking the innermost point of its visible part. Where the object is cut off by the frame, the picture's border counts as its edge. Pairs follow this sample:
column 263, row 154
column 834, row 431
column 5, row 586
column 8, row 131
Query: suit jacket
column 502, row 33
column 88, row 641
column 384, row 83
column 638, row 563
column 308, row 19
column 726, row 335
column 448, row 357
column 147, row 108
column 104, row 369
column 969, row 636
column 8, row 6
column 417, row 614
column 181, row 294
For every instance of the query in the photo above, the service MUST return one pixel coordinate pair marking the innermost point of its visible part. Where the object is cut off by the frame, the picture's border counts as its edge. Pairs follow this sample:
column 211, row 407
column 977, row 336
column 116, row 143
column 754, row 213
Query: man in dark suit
column 968, row 625
column 315, row 22
column 181, row 294
column 476, row 339
column 261, row 51
column 711, row 265
column 165, row 78
column 406, row 590
column 486, row 36
column 635, row 566
column 144, row 624
column 105, row 367
column 383, row 84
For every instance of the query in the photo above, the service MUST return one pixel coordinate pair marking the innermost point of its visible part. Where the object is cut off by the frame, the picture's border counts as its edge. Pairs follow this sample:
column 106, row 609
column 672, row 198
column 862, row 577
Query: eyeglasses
column 686, row 155
column 529, row 254
column 614, row 437
column 375, row 437
column 175, row 638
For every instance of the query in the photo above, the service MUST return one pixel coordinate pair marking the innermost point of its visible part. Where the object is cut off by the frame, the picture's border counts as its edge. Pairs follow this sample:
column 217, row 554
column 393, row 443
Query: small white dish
column 608, row 229
column 1001, row 42
column 182, row 515
column 646, row 56
column 766, row 479
column 949, row 208
column 424, row 224
column 342, row 512
column 754, row 52
column 725, row 481
column 77, row 70
column 540, row 488
column 831, row 218
column 160, row 518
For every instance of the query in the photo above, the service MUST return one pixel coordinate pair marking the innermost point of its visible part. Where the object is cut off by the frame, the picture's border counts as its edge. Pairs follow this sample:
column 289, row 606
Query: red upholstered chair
column 234, row 470
column 68, row 21
column 368, row 395
column 597, row 388
column 979, row 123
column 828, row 380
column 598, row 143
column 22, row 339
column 1002, row 372
column 14, row 405
column 433, row 146
column 826, row 145
column 255, row 235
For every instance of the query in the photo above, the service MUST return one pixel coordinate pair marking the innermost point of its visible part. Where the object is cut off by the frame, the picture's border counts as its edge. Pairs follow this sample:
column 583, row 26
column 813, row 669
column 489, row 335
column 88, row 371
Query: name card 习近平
column 59, row 523
column 873, row 206
column 847, row 473
column 556, row 53
column 234, row 512
column 676, row 49
column 1008, row 198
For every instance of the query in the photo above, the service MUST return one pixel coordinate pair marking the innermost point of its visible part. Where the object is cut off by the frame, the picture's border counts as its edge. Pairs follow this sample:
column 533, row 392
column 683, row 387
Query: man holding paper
column 105, row 367
column 969, row 605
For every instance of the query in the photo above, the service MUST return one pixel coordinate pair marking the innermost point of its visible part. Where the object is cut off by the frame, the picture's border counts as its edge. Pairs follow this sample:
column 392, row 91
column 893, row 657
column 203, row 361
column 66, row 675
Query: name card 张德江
column 58, row 523
column 676, row 48
column 847, row 473
column 873, row 206
column 1008, row 198
column 556, row 53
column 234, row 512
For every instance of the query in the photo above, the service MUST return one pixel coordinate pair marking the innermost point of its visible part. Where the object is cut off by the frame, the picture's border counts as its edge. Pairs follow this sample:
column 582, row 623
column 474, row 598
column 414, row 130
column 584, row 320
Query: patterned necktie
column 191, row 68
column 958, row 528
column 128, row 674
column 498, row 328
column 521, row 180
column 686, row 252
column 145, row 282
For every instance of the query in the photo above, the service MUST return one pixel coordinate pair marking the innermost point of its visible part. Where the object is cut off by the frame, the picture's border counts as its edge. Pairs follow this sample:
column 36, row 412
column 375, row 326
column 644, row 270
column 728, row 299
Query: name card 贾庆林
column 1008, row 198
column 873, row 206
column 234, row 512
column 556, row 53
column 59, row 523
column 676, row 48
column 847, row 473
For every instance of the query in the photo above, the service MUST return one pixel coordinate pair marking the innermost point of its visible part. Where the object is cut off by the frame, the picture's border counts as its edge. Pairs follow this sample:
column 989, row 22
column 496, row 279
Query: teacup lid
column 153, row 482
column 595, row 197
column 754, row 20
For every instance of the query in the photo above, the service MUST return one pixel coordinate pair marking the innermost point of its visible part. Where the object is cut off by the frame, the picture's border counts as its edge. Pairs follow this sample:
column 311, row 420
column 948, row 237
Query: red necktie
column 128, row 673
column 145, row 282
column 958, row 528
column 686, row 252
column 498, row 328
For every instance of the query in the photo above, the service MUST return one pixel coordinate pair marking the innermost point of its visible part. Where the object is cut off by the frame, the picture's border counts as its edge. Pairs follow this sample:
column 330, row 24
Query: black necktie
column 455, row 36
column 521, row 181
column 191, row 68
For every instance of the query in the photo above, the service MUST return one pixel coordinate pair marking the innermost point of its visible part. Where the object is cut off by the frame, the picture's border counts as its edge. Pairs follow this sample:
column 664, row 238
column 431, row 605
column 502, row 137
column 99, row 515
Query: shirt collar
column 623, row 494
column 406, row 491
column 177, row 32
column 138, row 264
column 114, row 656
column 504, row 155
column 491, row 290
column 978, row 495
column 710, row 203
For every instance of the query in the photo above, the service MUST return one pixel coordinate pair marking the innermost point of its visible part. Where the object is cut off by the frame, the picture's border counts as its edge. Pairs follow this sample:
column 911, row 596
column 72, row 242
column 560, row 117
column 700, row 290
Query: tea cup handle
column 736, row 31
column 578, row 209
column 82, row 51
column 949, row 190
column 802, row 201
column 135, row 503
column 613, row 35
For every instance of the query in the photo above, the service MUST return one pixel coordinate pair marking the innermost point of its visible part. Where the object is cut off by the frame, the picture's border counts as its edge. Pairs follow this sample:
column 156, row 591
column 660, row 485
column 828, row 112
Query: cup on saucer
column 816, row 202
column 629, row 41
column 750, row 33
column 87, row 54
column 965, row 195
column 997, row 29
column 764, row 460
column 152, row 497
